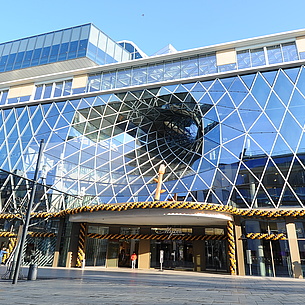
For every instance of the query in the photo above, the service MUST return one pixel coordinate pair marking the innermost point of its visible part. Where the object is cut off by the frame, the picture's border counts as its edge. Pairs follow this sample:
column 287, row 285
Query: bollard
column 32, row 275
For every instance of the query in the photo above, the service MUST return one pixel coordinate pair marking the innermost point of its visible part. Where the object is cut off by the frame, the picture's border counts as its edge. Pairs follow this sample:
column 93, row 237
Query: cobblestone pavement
column 136, row 287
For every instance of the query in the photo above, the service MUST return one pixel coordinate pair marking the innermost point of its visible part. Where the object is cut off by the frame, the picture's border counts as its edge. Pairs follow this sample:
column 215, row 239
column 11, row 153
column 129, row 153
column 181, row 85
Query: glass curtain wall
column 96, row 249
column 266, row 257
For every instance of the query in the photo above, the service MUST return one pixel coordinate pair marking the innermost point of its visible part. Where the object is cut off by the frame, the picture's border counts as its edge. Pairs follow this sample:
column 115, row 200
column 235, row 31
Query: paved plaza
column 135, row 287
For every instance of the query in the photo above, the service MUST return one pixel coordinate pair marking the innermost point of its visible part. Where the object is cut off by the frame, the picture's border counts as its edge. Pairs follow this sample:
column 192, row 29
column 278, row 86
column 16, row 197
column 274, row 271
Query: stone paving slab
column 137, row 287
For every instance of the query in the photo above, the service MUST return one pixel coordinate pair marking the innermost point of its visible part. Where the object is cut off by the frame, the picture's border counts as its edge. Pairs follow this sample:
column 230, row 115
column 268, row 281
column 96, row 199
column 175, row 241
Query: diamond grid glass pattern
column 236, row 141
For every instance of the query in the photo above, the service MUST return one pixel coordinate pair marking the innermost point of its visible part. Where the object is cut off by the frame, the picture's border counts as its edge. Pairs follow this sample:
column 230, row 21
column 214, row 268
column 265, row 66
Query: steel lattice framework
column 226, row 141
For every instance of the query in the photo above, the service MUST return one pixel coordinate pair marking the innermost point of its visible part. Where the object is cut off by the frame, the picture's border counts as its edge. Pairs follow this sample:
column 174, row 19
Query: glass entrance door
column 216, row 255
column 96, row 249
column 177, row 254
column 127, row 247
column 268, row 258
column 96, row 252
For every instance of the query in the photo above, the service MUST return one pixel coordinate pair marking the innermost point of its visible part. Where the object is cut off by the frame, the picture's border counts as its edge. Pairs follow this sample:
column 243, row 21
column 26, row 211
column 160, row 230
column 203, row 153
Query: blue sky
column 152, row 24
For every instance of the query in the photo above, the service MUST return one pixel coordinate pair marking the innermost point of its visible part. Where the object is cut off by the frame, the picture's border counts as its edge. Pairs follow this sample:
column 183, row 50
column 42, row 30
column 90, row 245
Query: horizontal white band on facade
column 154, row 217
column 157, row 84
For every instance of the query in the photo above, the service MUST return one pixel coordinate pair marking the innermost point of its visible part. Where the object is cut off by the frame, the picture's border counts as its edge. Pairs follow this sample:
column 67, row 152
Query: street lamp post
column 28, row 215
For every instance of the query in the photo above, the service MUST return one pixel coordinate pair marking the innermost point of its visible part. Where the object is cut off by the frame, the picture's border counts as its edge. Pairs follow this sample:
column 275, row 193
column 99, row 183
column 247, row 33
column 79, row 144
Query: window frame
column 54, row 84
column 265, row 50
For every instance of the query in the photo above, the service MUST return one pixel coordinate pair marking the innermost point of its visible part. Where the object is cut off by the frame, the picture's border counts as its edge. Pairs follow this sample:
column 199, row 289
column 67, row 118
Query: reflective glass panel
column 36, row 56
column 27, row 59
column 72, row 49
column 123, row 78
column 47, row 91
column 225, row 68
column 63, row 51
column 94, row 82
column 189, row 67
column 45, row 55
column 258, row 57
column 139, row 76
column 289, row 51
column 207, row 64
column 3, row 96
column 172, row 70
column 38, row 92
column 274, row 54
column 82, row 47
column 3, row 63
column 10, row 62
column 67, row 87
column 108, row 80
column 155, row 73
column 243, row 59
column 54, row 53
column 18, row 61
column 58, row 89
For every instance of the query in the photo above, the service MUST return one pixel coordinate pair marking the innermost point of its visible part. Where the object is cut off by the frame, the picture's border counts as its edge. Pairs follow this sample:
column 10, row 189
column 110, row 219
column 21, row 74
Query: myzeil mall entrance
column 174, row 248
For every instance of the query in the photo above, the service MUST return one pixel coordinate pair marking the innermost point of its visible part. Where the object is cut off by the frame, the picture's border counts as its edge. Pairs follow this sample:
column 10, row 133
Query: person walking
column 133, row 260
column 2, row 252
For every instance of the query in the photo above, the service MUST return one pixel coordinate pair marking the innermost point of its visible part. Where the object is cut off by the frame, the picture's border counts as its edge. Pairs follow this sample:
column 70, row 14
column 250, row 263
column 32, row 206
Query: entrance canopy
column 154, row 217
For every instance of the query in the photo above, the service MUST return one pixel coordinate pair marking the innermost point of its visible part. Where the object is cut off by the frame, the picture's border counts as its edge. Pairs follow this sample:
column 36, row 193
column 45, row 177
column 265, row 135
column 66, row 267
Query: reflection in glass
column 274, row 54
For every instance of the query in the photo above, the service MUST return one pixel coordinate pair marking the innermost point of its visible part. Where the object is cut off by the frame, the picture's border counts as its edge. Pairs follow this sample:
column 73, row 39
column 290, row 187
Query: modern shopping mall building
column 194, row 159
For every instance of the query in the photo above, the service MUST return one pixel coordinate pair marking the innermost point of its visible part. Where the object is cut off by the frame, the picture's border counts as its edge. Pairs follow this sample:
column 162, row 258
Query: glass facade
column 76, row 42
column 229, row 133
column 190, row 67
column 266, row 257
column 225, row 141
column 153, row 73
column 132, row 49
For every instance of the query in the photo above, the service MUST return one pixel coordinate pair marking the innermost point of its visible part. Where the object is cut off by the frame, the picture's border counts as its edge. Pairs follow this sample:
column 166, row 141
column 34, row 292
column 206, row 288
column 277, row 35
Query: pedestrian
column 2, row 252
column 133, row 260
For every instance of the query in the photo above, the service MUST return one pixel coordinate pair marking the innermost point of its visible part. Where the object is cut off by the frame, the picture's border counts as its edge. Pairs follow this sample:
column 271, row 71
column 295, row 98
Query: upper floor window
column 267, row 55
column 282, row 53
column 153, row 73
column 3, row 96
column 251, row 58
column 54, row 89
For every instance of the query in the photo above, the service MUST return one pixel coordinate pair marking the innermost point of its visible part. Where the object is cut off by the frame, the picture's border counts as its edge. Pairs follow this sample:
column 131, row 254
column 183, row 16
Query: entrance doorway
column 268, row 258
column 177, row 254
column 96, row 252
column 216, row 255
column 126, row 248
column 96, row 249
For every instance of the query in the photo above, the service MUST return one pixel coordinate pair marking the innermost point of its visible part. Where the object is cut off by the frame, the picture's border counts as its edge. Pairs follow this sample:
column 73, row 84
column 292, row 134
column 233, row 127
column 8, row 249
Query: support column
column 199, row 251
column 253, row 190
column 58, row 241
column 239, row 248
column 144, row 254
column 199, row 255
column 81, row 245
column 72, row 255
column 294, row 248
column 231, row 247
